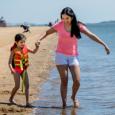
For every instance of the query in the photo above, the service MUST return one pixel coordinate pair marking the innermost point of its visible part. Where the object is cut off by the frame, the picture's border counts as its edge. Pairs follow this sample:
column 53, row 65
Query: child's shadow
column 18, row 105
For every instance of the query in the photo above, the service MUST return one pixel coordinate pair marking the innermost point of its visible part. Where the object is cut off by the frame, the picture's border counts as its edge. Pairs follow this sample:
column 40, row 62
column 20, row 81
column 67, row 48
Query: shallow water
column 97, row 90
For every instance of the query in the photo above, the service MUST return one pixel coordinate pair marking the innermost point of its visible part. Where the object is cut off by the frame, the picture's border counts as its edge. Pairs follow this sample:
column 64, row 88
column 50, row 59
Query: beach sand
column 40, row 65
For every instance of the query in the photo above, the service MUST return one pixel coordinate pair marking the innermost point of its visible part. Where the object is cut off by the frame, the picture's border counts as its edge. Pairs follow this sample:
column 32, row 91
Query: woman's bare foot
column 64, row 105
column 75, row 102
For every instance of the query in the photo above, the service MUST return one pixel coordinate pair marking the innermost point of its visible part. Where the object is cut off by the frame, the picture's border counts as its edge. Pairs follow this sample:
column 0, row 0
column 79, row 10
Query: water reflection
column 97, row 90
column 73, row 111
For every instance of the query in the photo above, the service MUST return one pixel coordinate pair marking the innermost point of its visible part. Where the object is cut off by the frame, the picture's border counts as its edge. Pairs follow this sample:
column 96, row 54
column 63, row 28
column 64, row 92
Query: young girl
column 69, row 30
column 18, row 63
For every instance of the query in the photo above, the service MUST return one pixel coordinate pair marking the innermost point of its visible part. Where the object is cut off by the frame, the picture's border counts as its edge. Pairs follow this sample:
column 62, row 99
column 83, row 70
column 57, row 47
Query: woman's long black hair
column 75, row 30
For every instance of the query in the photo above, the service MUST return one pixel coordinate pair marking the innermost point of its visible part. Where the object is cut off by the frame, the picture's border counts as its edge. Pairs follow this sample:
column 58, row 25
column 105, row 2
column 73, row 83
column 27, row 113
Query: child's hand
column 37, row 44
column 13, row 71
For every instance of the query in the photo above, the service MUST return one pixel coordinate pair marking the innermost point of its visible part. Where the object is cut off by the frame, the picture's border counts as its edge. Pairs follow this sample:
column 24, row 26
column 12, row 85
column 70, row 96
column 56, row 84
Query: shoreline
column 40, row 65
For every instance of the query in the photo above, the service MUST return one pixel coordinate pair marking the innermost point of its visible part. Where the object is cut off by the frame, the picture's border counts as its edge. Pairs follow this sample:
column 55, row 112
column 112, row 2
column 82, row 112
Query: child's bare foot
column 12, row 101
column 75, row 102
column 28, row 105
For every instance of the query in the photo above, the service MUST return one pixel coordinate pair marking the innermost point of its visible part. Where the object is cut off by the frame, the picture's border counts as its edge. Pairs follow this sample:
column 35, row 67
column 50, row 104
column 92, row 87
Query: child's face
column 21, row 43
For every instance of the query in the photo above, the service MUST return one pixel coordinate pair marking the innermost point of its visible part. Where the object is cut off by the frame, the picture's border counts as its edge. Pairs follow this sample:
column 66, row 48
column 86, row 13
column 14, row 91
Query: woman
column 68, row 30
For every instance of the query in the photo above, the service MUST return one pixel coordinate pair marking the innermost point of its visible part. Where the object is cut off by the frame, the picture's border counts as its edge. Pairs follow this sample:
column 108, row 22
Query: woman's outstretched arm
column 91, row 35
column 48, row 32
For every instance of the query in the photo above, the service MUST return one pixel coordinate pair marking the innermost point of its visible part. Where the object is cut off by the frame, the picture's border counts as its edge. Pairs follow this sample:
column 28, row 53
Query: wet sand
column 40, row 65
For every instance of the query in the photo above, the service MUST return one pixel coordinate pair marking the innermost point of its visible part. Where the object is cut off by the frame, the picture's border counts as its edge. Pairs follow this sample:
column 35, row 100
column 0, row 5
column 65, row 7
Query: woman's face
column 67, row 19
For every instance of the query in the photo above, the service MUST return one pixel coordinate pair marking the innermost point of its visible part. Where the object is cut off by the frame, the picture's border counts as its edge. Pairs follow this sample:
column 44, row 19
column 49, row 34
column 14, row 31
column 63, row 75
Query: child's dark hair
column 75, row 28
column 18, row 37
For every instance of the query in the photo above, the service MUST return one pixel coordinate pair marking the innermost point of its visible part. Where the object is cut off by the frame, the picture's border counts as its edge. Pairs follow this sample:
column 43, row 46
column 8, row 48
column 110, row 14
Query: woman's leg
column 75, row 71
column 62, row 69
column 26, row 82
column 16, row 87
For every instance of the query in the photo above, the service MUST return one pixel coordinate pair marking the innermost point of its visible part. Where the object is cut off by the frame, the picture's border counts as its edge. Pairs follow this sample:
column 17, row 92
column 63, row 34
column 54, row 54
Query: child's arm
column 36, row 48
column 10, row 62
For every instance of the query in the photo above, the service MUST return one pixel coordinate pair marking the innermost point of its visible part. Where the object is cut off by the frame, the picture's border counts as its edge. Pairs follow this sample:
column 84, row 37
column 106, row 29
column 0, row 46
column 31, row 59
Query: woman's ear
column 71, row 18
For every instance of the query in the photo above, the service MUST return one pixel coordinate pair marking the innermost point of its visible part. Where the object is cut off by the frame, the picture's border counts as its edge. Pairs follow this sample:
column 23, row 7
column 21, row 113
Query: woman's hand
column 37, row 44
column 107, row 49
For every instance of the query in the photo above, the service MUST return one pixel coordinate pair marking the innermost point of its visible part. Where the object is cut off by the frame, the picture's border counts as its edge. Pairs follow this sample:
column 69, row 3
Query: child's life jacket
column 20, row 59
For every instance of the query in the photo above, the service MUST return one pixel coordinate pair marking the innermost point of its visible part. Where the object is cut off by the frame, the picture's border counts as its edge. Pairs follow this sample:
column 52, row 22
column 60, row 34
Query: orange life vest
column 21, row 59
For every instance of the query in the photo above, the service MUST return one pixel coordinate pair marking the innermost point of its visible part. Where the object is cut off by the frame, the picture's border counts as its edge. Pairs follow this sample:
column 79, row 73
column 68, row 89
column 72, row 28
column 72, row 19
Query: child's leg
column 16, row 87
column 26, row 88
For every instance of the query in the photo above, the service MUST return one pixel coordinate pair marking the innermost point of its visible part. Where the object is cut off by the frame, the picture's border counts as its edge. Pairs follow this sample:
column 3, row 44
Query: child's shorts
column 61, row 59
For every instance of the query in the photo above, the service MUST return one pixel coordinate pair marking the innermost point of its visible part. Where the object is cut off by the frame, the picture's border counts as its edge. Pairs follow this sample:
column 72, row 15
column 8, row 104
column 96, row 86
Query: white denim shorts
column 61, row 59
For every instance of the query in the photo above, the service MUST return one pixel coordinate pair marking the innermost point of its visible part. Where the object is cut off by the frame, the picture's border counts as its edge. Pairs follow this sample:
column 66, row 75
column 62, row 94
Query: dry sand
column 40, row 65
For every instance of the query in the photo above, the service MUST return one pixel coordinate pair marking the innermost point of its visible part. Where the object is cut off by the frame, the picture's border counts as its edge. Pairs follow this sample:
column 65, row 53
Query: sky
column 44, row 11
